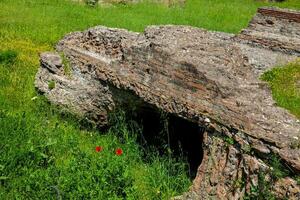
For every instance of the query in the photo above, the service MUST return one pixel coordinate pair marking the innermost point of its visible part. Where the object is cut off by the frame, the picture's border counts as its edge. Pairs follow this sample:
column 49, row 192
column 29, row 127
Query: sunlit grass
column 47, row 21
column 285, row 85
column 48, row 154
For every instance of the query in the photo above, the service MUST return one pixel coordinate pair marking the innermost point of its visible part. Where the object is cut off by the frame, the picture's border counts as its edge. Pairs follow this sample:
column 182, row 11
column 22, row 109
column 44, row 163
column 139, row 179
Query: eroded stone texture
column 226, row 172
column 78, row 94
column 287, row 187
column 229, row 171
column 276, row 29
column 209, row 78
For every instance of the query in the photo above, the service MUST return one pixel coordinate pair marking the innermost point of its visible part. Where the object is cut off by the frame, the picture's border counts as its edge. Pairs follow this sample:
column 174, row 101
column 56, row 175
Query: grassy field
column 47, row 155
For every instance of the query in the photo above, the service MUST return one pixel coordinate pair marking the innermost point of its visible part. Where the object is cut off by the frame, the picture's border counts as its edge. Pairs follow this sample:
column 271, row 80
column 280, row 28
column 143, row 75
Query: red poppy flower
column 98, row 148
column 119, row 151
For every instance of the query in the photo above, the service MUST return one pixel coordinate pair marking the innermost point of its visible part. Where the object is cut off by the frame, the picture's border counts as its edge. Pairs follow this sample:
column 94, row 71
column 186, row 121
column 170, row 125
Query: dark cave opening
column 161, row 130
column 188, row 136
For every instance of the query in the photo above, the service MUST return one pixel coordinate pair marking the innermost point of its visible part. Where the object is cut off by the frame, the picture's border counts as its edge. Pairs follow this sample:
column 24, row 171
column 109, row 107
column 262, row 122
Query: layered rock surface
column 276, row 29
column 209, row 78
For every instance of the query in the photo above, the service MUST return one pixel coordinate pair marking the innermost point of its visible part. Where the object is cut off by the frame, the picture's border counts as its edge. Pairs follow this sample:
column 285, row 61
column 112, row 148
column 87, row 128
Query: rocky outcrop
column 209, row 78
column 276, row 29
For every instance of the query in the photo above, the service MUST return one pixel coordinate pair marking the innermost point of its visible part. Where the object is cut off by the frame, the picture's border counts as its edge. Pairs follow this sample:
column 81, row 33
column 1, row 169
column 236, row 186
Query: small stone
column 296, row 138
column 207, row 120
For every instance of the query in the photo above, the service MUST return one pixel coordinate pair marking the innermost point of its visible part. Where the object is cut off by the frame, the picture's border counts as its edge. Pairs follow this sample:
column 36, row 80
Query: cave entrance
column 161, row 131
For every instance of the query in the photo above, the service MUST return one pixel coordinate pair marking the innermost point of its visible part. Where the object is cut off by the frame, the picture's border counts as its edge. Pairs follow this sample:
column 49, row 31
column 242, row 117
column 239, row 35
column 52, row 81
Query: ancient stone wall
column 275, row 29
column 209, row 78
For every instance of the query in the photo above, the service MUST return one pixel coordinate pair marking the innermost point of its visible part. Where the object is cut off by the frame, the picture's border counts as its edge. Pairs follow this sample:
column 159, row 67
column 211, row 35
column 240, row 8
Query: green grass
column 47, row 21
column 46, row 154
column 51, row 85
column 285, row 86
column 8, row 56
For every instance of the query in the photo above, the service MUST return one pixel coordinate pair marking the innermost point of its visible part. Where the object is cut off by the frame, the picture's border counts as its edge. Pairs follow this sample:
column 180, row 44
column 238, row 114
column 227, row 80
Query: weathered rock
column 224, row 170
column 209, row 78
column 276, row 29
column 84, row 97
column 287, row 188
column 292, row 156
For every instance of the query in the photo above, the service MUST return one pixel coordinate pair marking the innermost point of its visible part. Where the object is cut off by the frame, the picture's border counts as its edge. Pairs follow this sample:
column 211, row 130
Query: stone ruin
column 208, row 79
column 168, row 3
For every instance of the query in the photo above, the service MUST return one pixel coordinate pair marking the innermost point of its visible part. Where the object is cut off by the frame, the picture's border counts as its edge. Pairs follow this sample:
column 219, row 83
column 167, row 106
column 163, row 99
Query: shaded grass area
column 285, row 86
column 46, row 154
column 43, row 156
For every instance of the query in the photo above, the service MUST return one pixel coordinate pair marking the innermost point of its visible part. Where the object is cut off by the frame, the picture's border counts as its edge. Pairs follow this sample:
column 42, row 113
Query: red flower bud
column 119, row 151
column 98, row 148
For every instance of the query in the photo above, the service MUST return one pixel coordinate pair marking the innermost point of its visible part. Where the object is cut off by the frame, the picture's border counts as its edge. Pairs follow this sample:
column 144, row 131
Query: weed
column 278, row 169
column 267, row 178
column 246, row 149
column 298, row 180
column 51, row 85
column 66, row 65
column 239, row 183
column 229, row 140
column 263, row 190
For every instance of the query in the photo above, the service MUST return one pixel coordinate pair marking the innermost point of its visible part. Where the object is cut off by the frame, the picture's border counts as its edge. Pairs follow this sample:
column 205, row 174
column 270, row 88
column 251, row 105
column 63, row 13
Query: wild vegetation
column 47, row 154
column 285, row 84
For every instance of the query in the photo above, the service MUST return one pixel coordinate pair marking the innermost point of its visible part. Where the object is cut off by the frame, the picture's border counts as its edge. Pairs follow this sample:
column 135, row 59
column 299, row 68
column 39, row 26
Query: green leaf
column 3, row 178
